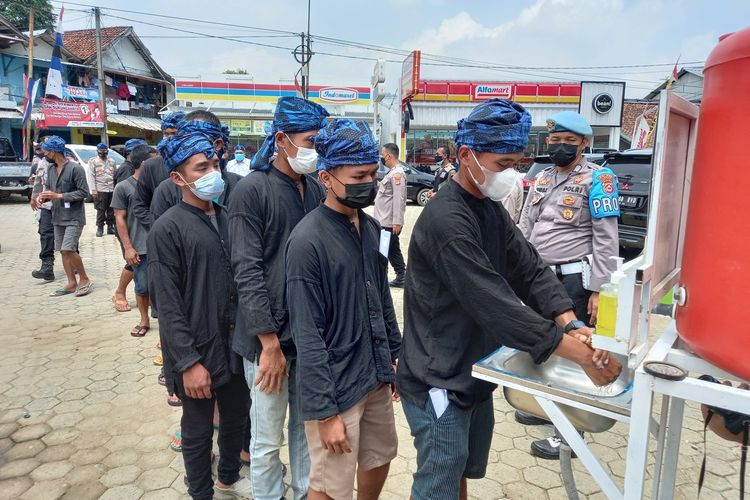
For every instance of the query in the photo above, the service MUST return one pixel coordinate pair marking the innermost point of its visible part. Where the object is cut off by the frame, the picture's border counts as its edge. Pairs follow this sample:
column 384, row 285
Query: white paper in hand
column 439, row 398
column 385, row 242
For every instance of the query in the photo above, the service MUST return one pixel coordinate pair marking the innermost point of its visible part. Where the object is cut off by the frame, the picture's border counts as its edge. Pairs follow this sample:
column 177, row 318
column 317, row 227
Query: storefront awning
column 6, row 113
column 138, row 122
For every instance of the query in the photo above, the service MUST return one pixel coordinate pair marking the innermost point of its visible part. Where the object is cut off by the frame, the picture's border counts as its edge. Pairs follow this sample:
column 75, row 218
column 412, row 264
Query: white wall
column 123, row 56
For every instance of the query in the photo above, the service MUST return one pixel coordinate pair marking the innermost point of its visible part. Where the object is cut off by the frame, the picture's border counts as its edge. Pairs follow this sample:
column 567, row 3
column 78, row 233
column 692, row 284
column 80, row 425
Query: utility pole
column 28, row 152
column 100, row 74
column 309, row 55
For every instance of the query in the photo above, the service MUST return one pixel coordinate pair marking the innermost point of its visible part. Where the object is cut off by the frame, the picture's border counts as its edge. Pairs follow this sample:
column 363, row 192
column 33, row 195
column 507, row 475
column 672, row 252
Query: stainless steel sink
column 562, row 378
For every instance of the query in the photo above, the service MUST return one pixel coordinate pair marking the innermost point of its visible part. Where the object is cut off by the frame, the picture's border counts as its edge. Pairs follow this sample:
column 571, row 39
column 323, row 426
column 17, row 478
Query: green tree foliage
column 17, row 12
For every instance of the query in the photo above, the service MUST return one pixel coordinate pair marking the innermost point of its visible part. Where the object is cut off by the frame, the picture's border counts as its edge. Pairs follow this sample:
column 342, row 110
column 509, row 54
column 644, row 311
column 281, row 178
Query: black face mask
column 382, row 160
column 358, row 195
column 102, row 155
column 438, row 159
column 563, row 155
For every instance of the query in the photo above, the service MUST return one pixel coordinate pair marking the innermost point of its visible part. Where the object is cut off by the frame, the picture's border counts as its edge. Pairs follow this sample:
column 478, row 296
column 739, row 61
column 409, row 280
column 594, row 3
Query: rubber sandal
column 159, row 360
column 85, row 289
column 139, row 331
column 162, row 378
column 60, row 292
column 176, row 443
column 121, row 305
column 174, row 401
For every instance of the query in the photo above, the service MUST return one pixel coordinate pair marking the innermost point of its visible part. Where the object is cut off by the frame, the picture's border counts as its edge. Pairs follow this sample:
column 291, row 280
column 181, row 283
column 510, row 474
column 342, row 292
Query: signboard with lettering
column 89, row 94
column 601, row 103
column 484, row 91
column 339, row 95
column 410, row 75
column 240, row 127
column 72, row 114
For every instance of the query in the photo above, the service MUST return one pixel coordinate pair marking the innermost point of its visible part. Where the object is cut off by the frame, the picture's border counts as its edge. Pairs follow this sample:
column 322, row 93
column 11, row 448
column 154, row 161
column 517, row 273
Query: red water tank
column 715, row 321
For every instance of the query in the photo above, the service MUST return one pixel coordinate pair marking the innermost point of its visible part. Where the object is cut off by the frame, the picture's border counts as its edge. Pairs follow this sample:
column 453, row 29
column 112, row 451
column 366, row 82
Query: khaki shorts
column 371, row 430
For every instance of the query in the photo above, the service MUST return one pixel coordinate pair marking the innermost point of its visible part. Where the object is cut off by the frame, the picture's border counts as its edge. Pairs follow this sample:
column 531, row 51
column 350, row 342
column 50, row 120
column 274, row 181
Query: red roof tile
column 631, row 112
column 82, row 43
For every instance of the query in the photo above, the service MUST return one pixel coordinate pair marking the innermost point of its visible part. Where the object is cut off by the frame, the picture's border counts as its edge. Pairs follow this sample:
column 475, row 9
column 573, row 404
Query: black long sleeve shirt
column 340, row 310
column 169, row 194
column 124, row 171
column 264, row 209
column 152, row 175
column 190, row 274
column 468, row 267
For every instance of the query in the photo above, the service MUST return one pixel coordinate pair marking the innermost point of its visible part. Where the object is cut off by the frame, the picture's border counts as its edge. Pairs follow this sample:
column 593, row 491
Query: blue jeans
column 267, row 414
column 453, row 446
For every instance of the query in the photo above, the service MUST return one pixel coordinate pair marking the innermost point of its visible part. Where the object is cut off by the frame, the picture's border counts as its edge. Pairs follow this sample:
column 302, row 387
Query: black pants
column 197, row 434
column 580, row 296
column 395, row 257
column 104, row 212
column 46, row 235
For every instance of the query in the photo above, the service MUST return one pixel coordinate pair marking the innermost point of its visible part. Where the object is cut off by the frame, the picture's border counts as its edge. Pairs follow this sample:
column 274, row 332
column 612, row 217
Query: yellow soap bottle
column 606, row 321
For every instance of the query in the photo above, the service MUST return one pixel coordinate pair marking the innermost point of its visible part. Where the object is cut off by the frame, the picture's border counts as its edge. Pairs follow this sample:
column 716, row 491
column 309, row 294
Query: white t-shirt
column 239, row 167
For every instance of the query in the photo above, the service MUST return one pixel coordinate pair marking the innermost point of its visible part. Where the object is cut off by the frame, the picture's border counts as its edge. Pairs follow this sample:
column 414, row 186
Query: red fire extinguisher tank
column 715, row 320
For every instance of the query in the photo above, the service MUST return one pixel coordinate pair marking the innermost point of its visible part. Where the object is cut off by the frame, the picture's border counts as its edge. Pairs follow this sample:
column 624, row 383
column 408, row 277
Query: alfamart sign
column 484, row 91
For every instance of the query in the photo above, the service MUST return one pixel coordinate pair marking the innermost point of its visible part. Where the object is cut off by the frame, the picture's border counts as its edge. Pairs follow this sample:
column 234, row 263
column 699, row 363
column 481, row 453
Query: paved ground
column 81, row 414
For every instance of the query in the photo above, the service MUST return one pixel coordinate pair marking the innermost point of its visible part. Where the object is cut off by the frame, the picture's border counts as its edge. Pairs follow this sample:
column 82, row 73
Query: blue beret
column 293, row 114
column 495, row 126
column 569, row 121
column 54, row 144
column 172, row 120
column 101, row 145
column 345, row 142
column 130, row 145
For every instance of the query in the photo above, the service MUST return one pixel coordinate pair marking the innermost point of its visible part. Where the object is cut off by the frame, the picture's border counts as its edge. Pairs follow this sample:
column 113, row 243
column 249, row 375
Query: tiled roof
column 82, row 43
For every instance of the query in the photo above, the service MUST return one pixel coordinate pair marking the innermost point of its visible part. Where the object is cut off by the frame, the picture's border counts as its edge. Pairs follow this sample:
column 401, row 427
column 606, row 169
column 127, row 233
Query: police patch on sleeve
column 604, row 200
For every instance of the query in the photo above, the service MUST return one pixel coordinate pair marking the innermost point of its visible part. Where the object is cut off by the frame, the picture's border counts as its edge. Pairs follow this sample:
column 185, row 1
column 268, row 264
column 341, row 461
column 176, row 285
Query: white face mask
column 306, row 161
column 497, row 185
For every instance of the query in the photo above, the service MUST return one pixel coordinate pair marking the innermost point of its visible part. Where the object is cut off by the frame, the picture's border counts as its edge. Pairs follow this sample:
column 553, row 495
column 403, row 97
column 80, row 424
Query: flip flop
column 85, row 289
column 60, row 292
column 174, row 401
column 159, row 360
column 139, row 331
column 176, row 442
column 121, row 305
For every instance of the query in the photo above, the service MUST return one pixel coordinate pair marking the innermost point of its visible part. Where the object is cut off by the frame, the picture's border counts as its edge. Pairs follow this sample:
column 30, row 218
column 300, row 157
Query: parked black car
column 418, row 184
column 633, row 170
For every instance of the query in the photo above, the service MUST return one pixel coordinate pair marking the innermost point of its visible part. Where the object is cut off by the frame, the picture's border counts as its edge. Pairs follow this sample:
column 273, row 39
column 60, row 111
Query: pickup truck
column 14, row 178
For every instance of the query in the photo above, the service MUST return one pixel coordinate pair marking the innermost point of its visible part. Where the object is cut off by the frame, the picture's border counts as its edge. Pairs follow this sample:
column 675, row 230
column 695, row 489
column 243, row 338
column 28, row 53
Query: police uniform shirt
column 568, row 216
column 390, row 203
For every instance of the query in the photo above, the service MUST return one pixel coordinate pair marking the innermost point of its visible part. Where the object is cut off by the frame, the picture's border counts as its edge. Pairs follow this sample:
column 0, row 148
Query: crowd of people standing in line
column 270, row 284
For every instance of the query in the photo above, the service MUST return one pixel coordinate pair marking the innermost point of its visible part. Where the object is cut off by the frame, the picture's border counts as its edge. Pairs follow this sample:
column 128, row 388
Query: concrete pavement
column 82, row 415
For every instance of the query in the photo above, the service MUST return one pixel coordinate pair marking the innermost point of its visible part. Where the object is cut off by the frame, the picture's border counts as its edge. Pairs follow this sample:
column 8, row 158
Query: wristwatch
column 574, row 325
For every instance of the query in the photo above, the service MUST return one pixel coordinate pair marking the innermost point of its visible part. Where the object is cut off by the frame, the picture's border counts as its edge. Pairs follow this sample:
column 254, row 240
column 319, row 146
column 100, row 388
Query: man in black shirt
column 468, row 267
column 126, row 169
column 343, row 322
column 264, row 209
column 190, row 275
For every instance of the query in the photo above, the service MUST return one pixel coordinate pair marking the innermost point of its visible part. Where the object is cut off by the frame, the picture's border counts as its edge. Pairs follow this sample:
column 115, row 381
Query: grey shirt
column 556, row 219
column 122, row 199
column 390, row 203
column 71, row 181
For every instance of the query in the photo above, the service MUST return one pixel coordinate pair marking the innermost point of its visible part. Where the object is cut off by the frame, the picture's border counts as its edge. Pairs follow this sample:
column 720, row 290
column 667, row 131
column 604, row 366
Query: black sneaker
column 99, row 232
column 549, row 449
column 529, row 419
column 111, row 230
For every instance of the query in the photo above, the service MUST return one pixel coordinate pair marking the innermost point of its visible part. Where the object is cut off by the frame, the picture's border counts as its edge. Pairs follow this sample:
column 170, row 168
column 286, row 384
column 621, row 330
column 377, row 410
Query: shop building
column 438, row 105
column 247, row 107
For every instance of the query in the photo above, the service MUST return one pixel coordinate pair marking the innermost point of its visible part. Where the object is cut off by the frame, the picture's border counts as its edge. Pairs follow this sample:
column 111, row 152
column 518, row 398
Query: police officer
column 570, row 216
column 390, row 207
column 444, row 171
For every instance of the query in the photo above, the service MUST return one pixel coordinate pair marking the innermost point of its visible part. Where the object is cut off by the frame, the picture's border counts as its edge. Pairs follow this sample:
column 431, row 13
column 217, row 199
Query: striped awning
column 138, row 122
